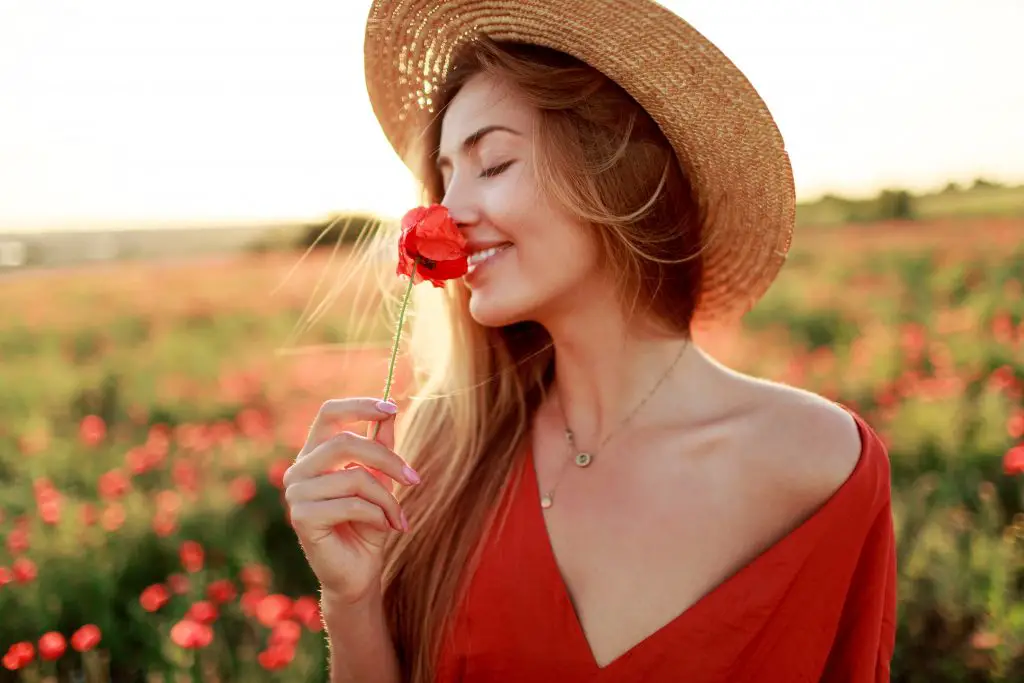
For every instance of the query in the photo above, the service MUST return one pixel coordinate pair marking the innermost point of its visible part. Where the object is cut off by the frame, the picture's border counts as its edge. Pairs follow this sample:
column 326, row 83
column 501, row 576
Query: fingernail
column 387, row 407
column 410, row 475
column 405, row 521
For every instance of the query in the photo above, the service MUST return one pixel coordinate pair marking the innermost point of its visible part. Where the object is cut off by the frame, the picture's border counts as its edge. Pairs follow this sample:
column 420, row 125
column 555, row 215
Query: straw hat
column 721, row 130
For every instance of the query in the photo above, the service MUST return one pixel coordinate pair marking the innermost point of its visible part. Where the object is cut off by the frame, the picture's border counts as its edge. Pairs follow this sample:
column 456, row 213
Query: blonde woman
column 579, row 492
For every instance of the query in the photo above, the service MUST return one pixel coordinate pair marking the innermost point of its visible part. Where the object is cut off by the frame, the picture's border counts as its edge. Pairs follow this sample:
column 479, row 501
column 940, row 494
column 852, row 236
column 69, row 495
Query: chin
column 495, row 311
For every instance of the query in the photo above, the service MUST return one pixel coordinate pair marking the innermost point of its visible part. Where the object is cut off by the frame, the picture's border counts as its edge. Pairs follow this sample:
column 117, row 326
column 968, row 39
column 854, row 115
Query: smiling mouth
column 484, row 255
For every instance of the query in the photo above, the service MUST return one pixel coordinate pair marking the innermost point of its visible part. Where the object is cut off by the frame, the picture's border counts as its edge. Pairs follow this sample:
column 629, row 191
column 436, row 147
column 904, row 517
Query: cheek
column 556, row 257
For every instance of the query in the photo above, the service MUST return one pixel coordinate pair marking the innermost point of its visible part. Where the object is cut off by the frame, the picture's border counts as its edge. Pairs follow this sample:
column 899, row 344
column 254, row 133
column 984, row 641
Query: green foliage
column 983, row 199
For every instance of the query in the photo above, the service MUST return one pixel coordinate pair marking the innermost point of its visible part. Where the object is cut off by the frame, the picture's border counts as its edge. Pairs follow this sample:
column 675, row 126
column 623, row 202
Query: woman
column 585, row 494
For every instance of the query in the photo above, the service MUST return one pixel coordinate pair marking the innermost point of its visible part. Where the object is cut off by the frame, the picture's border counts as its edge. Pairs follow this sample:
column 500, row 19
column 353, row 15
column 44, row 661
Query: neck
column 605, row 368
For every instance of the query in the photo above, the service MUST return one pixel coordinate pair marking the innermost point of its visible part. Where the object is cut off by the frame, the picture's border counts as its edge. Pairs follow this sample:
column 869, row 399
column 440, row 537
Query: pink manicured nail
column 410, row 475
column 387, row 407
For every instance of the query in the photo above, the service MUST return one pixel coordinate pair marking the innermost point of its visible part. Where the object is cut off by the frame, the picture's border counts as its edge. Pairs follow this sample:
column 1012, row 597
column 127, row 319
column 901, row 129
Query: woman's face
column 529, row 260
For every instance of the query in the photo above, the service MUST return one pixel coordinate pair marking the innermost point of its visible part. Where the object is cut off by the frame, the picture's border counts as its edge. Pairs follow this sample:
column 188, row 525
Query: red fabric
column 819, row 605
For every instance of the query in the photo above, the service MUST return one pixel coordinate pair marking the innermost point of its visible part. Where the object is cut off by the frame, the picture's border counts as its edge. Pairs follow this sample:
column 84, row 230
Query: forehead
column 483, row 101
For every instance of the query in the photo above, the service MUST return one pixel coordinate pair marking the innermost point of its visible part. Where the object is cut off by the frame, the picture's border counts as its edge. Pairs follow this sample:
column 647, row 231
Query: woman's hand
column 340, row 498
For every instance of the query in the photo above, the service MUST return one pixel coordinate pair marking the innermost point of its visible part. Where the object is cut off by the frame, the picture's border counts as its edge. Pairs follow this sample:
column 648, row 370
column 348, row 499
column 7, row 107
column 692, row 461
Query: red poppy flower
column 307, row 611
column 255, row 576
column 17, row 541
column 52, row 646
column 285, row 632
column 242, row 489
column 191, row 635
column 251, row 600
column 113, row 484
column 191, row 556
column 154, row 597
column 1013, row 461
column 92, row 429
column 203, row 611
column 86, row 638
column 19, row 655
column 178, row 583
column 274, row 608
column 24, row 570
column 430, row 235
column 276, row 656
column 221, row 591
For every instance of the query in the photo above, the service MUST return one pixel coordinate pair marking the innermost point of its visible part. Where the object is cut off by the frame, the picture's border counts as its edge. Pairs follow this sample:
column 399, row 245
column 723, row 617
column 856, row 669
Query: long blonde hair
column 603, row 159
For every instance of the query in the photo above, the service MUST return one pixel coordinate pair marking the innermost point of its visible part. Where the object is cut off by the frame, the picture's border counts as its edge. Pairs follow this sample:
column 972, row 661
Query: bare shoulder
column 809, row 442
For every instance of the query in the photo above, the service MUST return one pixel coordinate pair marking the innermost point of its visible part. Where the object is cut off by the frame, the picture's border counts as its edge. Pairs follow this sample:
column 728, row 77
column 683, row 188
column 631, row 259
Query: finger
column 346, row 410
column 386, row 432
column 386, row 437
column 344, row 449
column 323, row 515
column 355, row 481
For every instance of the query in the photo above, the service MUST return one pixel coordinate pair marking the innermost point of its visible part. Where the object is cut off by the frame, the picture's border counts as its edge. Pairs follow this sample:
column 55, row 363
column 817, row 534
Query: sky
column 127, row 112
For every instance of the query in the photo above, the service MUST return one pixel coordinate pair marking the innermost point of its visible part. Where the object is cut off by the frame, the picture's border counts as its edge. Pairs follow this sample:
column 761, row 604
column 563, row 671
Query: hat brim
column 721, row 130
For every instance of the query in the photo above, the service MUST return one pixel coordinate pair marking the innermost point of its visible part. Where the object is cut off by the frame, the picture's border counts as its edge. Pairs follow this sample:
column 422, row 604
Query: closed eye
column 496, row 170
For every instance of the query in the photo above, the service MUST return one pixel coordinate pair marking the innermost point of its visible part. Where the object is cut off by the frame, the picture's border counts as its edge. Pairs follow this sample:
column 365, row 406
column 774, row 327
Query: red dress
column 818, row 605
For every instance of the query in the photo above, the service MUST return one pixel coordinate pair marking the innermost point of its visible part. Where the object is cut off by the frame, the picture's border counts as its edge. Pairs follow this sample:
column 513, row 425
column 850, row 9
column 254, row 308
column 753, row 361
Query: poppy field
column 148, row 412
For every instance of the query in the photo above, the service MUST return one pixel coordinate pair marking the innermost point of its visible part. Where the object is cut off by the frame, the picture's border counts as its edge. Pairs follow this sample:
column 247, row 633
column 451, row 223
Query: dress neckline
column 712, row 599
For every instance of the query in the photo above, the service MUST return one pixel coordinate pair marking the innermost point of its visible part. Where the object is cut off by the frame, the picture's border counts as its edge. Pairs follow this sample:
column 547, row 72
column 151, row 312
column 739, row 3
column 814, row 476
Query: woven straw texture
column 721, row 130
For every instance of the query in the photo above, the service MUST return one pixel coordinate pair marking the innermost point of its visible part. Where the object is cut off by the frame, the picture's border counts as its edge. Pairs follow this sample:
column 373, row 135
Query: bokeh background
column 180, row 187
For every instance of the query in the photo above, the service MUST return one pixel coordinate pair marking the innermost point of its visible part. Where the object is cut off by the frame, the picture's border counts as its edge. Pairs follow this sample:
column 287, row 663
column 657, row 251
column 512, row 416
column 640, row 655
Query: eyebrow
column 475, row 138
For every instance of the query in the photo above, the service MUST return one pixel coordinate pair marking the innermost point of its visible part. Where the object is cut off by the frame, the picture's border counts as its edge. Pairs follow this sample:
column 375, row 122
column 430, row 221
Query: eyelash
column 496, row 170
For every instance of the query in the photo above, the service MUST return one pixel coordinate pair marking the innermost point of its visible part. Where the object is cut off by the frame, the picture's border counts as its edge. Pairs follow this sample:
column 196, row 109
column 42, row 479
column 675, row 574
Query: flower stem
column 398, row 337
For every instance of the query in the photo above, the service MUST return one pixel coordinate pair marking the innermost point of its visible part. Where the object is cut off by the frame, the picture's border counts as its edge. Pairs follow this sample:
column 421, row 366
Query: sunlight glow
column 232, row 110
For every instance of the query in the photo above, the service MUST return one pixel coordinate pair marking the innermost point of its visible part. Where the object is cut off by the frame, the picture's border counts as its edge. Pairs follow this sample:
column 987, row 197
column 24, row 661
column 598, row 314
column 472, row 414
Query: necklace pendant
column 583, row 459
column 546, row 501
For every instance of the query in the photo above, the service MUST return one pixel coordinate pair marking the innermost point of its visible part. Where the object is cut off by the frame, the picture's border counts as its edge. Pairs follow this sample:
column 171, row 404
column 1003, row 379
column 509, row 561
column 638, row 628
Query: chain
column 584, row 458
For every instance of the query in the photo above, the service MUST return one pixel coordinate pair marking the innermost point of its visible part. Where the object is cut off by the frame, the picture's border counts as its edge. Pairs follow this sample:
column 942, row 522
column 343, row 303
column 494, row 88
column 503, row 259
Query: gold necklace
column 584, row 458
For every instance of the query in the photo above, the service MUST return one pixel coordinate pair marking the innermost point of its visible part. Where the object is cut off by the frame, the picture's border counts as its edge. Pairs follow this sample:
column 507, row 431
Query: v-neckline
column 702, row 604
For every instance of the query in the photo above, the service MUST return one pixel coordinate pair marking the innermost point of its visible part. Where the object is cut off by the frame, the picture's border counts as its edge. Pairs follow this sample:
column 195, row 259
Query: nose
column 461, row 204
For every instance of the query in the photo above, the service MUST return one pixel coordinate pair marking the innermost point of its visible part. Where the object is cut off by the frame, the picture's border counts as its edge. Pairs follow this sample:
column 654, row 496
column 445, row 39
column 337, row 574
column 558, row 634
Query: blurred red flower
column 178, row 583
column 203, row 611
column 24, row 570
column 168, row 501
column 1013, row 461
column 92, row 429
column 255, row 575
column 186, row 476
column 242, row 489
column 286, row 632
column 164, row 523
column 86, row 638
column 251, row 600
column 1015, row 425
column 113, row 484
column 52, row 646
column 17, row 540
column 113, row 516
column 221, row 591
column 19, row 655
column 276, row 657
column 154, row 597
column 89, row 516
column 276, row 472
column 191, row 635
column 307, row 611
column 273, row 608
column 137, row 460
column 191, row 556
column 5, row 576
